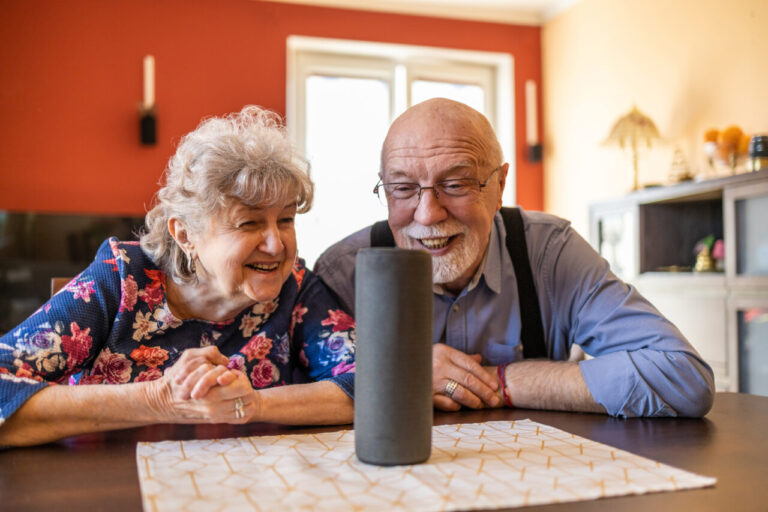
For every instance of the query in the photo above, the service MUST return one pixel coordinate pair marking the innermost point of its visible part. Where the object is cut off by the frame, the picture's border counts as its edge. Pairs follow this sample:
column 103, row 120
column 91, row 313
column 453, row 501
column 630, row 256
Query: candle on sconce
column 149, row 82
column 531, row 121
column 147, row 122
column 533, row 146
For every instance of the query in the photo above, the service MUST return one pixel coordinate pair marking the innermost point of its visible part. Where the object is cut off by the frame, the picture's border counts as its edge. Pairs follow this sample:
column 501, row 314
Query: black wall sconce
column 533, row 150
column 147, row 121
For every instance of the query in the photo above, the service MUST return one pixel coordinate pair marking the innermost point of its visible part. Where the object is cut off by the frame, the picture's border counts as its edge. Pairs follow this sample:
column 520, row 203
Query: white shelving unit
column 649, row 238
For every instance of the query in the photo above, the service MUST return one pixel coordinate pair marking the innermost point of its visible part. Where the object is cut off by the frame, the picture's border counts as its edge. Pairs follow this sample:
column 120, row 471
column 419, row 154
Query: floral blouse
column 111, row 325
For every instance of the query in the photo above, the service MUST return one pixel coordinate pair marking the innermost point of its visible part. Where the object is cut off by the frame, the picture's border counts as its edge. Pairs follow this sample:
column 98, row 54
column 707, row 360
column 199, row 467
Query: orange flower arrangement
column 728, row 146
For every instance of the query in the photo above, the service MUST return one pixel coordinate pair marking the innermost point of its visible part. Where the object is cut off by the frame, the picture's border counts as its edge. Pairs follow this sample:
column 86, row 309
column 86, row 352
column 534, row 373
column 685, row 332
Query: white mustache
column 446, row 229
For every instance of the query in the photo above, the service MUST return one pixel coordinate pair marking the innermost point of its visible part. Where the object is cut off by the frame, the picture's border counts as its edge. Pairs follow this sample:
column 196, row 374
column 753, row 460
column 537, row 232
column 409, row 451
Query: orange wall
column 72, row 81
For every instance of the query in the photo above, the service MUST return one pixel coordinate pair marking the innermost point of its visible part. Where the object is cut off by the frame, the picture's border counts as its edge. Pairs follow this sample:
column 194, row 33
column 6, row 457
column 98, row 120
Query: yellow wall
column 688, row 64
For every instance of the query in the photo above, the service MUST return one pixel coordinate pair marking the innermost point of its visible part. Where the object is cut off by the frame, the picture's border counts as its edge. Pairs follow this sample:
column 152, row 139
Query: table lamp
column 631, row 130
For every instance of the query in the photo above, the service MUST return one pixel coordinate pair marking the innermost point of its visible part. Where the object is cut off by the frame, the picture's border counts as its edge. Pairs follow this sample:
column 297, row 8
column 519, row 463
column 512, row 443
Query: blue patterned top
column 111, row 325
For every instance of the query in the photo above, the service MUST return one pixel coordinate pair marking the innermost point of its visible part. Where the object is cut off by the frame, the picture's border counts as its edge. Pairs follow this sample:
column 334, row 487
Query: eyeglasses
column 449, row 192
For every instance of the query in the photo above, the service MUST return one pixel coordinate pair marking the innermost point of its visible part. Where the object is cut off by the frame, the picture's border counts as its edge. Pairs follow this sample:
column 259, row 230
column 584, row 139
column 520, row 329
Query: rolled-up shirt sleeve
column 642, row 365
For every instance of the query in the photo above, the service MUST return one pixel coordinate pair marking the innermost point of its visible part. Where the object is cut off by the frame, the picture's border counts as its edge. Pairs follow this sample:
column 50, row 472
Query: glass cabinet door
column 613, row 233
column 746, row 244
column 752, row 236
column 746, row 255
column 753, row 350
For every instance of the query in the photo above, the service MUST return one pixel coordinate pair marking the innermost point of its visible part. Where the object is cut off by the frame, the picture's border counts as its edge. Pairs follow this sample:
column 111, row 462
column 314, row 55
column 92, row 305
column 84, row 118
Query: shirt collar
column 489, row 268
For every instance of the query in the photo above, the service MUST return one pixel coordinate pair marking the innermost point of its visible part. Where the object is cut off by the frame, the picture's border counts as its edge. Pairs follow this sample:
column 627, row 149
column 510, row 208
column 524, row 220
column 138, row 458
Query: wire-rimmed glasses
column 448, row 192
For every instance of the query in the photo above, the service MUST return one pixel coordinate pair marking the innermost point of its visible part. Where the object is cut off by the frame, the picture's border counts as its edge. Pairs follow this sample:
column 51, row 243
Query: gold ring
column 450, row 388
column 239, row 412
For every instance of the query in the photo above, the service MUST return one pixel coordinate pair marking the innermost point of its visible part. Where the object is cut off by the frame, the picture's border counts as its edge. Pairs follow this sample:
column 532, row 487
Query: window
column 342, row 97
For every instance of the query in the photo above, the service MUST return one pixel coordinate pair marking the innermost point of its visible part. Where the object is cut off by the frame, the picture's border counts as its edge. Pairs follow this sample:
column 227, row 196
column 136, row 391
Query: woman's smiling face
column 247, row 253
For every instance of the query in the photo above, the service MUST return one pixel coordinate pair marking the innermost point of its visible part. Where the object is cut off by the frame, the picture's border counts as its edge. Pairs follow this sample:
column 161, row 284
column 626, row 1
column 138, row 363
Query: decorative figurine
column 704, row 262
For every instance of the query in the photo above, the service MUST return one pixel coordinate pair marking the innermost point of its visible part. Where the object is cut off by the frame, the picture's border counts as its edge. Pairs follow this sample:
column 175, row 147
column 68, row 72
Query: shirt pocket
column 500, row 353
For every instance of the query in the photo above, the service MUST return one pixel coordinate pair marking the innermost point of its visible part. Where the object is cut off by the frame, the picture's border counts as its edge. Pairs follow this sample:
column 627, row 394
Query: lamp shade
column 629, row 131
column 634, row 126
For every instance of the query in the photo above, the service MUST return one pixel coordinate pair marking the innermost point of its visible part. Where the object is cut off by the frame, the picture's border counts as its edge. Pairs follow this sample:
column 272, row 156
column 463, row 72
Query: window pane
column 471, row 95
column 347, row 119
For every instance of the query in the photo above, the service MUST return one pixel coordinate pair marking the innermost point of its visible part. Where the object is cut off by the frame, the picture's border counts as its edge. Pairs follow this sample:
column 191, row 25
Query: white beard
column 452, row 265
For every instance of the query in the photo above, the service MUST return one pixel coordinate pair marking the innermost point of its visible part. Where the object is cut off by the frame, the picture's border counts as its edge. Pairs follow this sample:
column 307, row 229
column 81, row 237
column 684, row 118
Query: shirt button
column 455, row 308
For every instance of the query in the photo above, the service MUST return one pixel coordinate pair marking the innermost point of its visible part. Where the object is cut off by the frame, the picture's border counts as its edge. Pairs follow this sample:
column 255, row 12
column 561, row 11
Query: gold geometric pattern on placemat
column 479, row 465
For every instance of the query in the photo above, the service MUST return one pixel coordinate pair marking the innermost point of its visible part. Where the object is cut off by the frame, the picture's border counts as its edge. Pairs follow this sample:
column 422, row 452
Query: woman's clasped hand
column 201, row 387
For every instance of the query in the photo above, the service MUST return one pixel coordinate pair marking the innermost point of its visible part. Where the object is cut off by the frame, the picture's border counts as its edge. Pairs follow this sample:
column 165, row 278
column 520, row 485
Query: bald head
column 444, row 146
column 430, row 123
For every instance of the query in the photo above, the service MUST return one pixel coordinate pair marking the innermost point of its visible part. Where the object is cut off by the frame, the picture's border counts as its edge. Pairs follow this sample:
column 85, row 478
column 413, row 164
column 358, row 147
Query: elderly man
column 515, row 291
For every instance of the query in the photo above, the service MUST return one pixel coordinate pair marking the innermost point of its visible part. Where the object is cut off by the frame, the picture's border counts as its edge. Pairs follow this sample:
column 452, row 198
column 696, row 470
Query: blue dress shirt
column 641, row 364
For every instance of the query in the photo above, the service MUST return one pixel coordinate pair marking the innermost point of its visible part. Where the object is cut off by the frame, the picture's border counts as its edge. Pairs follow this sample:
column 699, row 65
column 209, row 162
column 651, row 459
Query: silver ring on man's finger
column 239, row 408
column 450, row 388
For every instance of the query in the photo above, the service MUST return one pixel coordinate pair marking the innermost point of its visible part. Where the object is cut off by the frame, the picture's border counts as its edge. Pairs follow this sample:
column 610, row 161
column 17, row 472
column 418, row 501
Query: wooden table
column 98, row 471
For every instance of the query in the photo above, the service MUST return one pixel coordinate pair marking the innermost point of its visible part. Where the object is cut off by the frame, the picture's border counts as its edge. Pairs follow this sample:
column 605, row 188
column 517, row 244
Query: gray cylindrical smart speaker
column 393, row 356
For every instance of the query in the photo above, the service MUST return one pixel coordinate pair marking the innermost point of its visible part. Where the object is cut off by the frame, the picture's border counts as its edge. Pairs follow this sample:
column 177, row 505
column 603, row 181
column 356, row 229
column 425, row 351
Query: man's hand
column 476, row 387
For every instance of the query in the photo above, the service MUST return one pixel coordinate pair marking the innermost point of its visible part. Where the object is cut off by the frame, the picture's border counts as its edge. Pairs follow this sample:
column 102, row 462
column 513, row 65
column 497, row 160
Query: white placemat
column 479, row 465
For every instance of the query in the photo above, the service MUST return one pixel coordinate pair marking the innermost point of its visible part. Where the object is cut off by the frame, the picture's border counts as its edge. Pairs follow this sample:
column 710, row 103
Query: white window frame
column 400, row 64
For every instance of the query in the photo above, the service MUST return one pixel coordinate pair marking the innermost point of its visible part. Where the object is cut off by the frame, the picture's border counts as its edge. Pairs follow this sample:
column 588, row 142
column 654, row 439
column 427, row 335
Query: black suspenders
column 381, row 235
column 531, row 329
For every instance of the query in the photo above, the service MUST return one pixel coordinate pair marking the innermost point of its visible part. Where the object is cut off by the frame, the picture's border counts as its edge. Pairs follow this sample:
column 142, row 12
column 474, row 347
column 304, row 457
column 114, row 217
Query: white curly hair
column 244, row 157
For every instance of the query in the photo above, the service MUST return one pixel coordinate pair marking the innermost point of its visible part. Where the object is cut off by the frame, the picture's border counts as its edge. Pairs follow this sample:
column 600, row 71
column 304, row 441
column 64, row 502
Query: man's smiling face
column 435, row 141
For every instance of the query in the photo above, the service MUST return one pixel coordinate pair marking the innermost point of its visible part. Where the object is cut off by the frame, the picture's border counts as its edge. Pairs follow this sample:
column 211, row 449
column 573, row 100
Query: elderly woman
column 205, row 320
